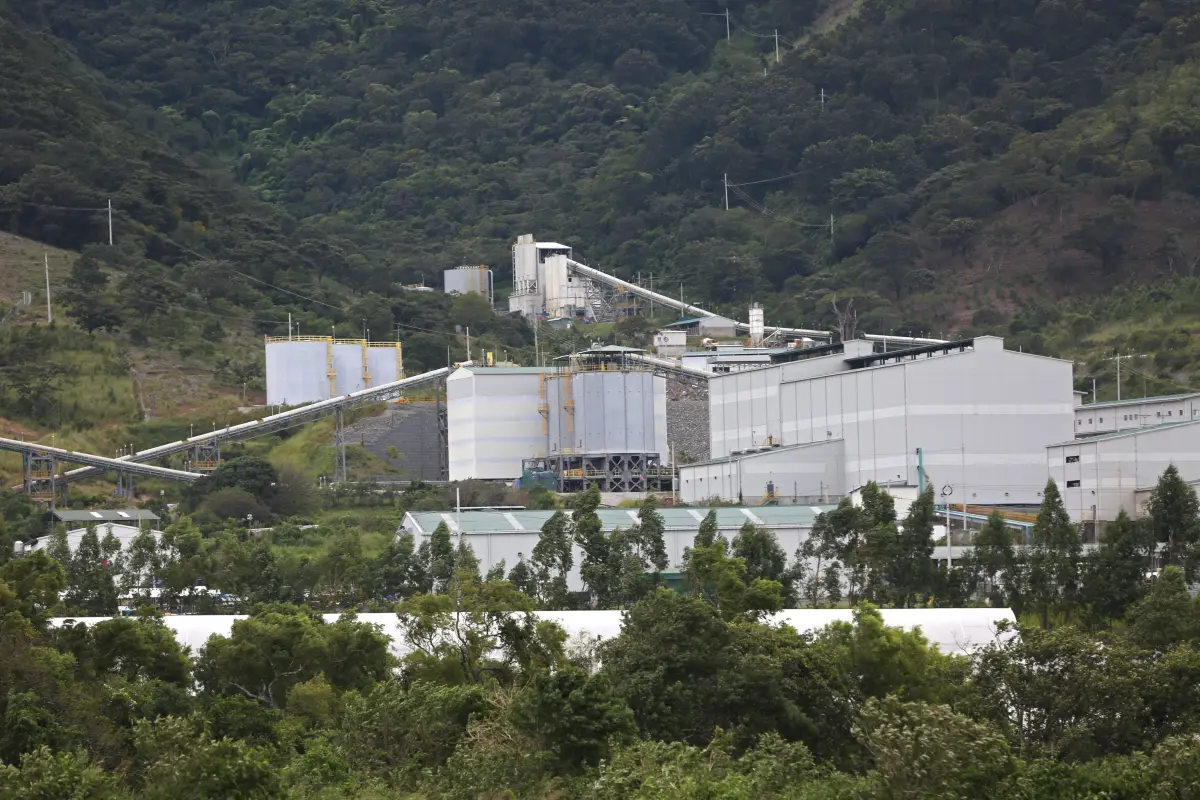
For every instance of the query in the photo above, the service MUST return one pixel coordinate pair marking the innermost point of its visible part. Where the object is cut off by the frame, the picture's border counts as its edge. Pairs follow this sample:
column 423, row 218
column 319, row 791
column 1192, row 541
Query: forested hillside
column 976, row 159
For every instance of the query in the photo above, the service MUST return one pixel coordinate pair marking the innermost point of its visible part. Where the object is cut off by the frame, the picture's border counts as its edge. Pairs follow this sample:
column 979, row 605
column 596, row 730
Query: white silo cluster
column 593, row 404
column 306, row 369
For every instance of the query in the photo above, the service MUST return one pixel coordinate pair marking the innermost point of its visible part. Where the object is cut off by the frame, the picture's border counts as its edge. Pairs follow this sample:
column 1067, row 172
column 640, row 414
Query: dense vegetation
column 697, row 698
column 314, row 154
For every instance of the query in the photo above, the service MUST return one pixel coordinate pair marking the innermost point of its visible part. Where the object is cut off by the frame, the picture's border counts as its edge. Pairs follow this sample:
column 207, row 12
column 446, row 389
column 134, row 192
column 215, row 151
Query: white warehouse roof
column 686, row 519
column 952, row 630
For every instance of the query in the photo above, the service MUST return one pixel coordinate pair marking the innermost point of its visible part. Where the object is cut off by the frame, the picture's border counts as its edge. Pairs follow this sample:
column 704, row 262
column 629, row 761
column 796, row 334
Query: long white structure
column 307, row 369
column 509, row 536
column 1099, row 476
column 1124, row 415
column 977, row 417
column 954, row 631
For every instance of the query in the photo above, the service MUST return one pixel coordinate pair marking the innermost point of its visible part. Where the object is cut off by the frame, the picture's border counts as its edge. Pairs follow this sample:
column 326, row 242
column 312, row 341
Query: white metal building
column 493, row 421
column 542, row 285
column 1122, row 415
column 306, row 369
column 123, row 533
column 798, row 473
column 1100, row 475
column 670, row 343
column 980, row 415
column 512, row 535
column 952, row 630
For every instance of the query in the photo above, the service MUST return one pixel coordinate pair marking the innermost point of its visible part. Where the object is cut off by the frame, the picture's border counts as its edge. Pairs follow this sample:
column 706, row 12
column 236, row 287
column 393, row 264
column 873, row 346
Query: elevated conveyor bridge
column 205, row 447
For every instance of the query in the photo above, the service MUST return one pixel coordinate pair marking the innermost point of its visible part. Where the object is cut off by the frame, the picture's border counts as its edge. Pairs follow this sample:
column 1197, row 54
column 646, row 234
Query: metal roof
column 483, row 370
column 1164, row 398
column 551, row 246
column 424, row 522
column 1126, row 433
column 105, row 515
column 678, row 322
column 768, row 452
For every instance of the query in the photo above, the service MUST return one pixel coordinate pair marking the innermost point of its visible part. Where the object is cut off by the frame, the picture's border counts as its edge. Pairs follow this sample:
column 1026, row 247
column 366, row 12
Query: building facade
column 1101, row 475
column 1115, row 416
column 974, row 416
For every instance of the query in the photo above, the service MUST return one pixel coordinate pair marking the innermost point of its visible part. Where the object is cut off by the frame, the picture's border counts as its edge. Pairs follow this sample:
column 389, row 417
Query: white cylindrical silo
column 613, row 412
column 297, row 370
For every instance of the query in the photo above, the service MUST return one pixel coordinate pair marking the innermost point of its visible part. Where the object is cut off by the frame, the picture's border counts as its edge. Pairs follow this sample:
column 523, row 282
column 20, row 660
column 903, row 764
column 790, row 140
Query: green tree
column 996, row 563
column 1174, row 518
column 280, row 646
column 1167, row 616
column 576, row 716
column 1054, row 560
column 921, row 750
column 1115, row 574
column 913, row 581
column 90, row 586
column 553, row 557
column 764, row 558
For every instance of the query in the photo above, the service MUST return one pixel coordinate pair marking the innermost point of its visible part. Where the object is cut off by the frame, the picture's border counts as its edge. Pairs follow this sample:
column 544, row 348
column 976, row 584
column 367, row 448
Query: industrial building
column 1099, row 476
column 543, row 286
column 976, row 418
column 123, row 534
column 597, row 416
column 307, row 369
column 1121, row 415
column 511, row 535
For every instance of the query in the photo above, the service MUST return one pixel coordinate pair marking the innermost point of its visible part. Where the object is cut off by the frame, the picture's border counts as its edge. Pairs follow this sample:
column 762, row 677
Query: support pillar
column 340, row 474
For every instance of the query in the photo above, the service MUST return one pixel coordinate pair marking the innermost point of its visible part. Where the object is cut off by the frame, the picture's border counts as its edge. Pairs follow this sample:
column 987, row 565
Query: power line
column 768, row 180
column 26, row 204
column 754, row 204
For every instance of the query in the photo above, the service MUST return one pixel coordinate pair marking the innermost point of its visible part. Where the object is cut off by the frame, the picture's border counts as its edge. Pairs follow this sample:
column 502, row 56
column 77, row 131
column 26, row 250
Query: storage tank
column 604, row 412
column 306, row 369
column 468, row 280
column 297, row 370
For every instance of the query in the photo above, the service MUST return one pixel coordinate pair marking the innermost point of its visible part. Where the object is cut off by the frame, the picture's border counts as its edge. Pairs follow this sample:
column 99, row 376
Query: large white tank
column 592, row 413
column 467, row 280
column 306, row 369
column 297, row 370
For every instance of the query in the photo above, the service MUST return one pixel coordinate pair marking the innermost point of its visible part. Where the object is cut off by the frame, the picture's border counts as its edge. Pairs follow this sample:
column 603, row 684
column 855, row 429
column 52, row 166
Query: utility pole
column 831, row 229
column 110, row 236
column 537, row 350
column 777, row 45
column 822, row 99
column 726, row 181
column 468, row 343
column 289, row 326
column 46, row 261
column 728, row 35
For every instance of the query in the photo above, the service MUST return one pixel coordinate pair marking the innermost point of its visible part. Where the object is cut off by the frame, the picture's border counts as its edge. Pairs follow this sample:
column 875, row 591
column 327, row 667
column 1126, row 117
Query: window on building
column 1089, row 420
column 1078, row 422
column 1072, row 459
column 1072, row 484
column 1168, row 413
column 1102, row 420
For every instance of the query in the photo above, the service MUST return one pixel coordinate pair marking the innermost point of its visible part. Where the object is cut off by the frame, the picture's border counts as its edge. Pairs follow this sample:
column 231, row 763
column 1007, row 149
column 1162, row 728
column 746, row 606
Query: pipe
column 913, row 340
